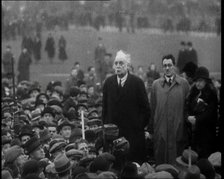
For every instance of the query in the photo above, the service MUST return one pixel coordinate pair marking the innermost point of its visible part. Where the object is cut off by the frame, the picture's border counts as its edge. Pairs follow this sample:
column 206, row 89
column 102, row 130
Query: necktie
column 169, row 81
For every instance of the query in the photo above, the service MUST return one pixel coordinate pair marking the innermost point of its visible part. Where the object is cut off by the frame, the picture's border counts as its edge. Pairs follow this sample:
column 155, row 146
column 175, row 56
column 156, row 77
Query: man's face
column 66, row 132
column 120, row 66
column 48, row 117
column 24, row 139
column 21, row 159
column 38, row 153
column 34, row 94
column 52, row 130
column 168, row 67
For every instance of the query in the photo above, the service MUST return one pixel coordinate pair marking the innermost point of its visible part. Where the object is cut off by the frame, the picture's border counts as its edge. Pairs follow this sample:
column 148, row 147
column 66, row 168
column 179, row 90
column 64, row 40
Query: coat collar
column 176, row 79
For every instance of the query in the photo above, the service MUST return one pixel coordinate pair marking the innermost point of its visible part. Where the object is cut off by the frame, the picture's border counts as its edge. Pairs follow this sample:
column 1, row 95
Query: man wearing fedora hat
column 63, row 166
column 65, row 128
column 125, row 103
column 34, row 149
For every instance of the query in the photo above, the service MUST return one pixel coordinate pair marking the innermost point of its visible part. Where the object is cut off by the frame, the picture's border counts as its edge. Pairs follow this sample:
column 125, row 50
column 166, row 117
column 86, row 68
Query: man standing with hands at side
column 168, row 115
column 125, row 103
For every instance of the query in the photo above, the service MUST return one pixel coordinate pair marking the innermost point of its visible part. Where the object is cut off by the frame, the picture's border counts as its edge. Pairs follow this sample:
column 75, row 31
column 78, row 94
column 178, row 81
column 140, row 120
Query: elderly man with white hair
column 125, row 104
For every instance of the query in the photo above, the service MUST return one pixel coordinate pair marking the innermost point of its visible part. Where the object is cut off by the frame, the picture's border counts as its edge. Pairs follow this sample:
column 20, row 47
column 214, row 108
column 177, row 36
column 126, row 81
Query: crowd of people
column 129, row 124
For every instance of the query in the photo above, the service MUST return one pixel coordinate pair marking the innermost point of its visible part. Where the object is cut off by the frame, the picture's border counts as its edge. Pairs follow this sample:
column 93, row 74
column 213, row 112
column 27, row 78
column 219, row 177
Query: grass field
column 144, row 48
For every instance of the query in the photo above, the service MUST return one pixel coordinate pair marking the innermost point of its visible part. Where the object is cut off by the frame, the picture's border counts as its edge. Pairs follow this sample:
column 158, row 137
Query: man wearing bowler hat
column 125, row 103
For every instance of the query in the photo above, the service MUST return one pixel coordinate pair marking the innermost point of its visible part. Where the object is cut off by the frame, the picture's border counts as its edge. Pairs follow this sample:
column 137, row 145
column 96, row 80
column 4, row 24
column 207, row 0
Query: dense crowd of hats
column 36, row 124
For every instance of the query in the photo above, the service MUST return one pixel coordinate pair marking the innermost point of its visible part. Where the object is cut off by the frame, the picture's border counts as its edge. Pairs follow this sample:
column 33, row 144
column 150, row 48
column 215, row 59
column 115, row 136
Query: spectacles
column 167, row 65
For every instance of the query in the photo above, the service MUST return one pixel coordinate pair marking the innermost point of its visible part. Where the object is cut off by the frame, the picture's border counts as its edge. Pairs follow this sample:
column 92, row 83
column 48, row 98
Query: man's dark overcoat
column 50, row 47
column 129, row 109
column 24, row 66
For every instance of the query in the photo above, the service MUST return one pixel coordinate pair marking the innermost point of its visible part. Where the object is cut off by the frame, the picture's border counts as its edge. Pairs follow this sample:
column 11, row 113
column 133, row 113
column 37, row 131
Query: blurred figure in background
column 7, row 61
column 100, row 52
column 181, row 59
column 140, row 72
column 50, row 47
column 62, row 49
column 191, row 54
column 24, row 66
column 37, row 49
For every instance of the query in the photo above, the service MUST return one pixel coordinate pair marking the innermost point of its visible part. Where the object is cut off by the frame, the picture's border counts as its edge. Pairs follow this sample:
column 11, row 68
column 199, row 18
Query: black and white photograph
column 111, row 89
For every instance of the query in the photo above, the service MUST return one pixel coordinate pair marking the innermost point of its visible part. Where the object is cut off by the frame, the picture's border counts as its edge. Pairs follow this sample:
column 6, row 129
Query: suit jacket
column 128, row 107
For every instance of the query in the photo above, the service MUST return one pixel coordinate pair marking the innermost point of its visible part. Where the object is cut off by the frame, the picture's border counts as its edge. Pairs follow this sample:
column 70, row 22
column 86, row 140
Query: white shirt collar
column 122, row 79
column 167, row 78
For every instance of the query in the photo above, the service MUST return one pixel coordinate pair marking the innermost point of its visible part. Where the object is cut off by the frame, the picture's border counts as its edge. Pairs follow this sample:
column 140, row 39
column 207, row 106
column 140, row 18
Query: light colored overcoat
column 168, row 111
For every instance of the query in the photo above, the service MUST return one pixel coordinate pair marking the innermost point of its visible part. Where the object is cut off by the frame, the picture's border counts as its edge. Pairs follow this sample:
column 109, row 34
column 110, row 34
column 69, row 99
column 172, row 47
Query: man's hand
column 191, row 119
column 148, row 135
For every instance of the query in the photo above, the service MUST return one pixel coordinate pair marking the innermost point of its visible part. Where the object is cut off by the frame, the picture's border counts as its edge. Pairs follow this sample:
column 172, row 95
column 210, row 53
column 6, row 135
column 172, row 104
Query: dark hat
column 54, row 101
column 168, row 168
column 190, row 69
column 56, row 144
column 65, row 122
column 49, row 110
column 94, row 121
column 183, row 160
column 206, row 168
column 58, row 89
column 121, row 146
column 32, row 176
column 42, row 94
column 93, row 110
column 90, row 136
column 74, row 91
column 192, row 173
column 75, row 154
column 57, row 109
column 34, row 89
column 35, row 115
column 182, row 43
column 111, row 131
column 44, row 135
column 30, row 166
column 57, row 83
column 129, row 170
column 202, row 72
column 77, row 170
column 12, row 153
column 70, row 147
column 39, row 102
column 15, row 141
column 62, row 163
column 31, row 145
column 82, row 105
column 26, row 130
column 85, row 161
column 189, row 43
column 108, row 156
column 5, row 140
column 99, row 164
